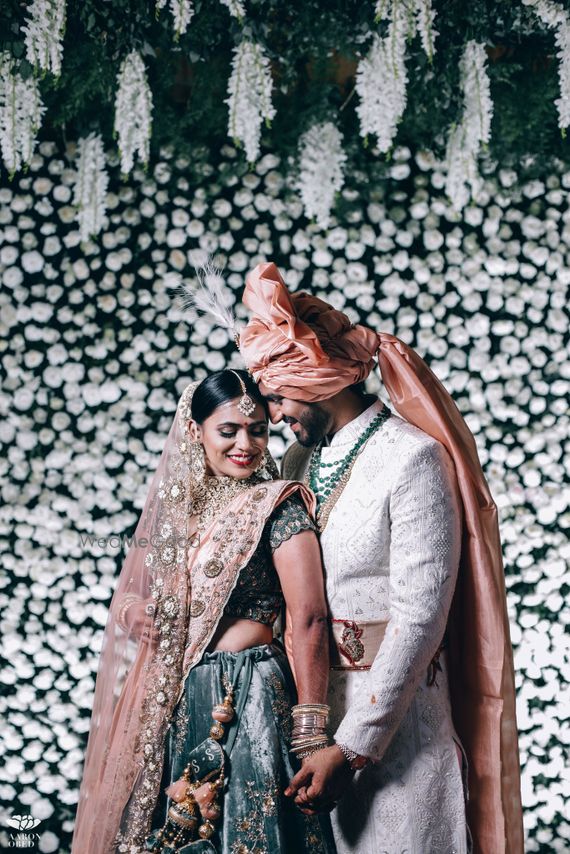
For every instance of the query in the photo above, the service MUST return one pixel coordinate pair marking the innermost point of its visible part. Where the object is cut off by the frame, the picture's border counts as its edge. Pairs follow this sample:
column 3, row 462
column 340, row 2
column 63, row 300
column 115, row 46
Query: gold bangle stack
column 310, row 721
column 128, row 600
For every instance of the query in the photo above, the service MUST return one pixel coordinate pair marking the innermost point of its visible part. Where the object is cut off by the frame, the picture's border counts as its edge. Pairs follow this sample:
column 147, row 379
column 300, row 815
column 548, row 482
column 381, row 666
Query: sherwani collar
column 348, row 434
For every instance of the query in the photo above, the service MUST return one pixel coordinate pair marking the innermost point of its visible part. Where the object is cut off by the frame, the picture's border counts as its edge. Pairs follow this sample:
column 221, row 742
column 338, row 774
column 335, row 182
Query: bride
column 197, row 724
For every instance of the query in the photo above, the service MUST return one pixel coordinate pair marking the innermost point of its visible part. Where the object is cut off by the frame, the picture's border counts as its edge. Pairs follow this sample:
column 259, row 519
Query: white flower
column 44, row 31
column 32, row 262
column 321, row 175
column 236, row 7
column 381, row 81
column 182, row 13
column 425, row 19
column 562, row 39
column 474, row 129
column 91, row 186
column 249, row 97
column 417, row 15
column 133, row 109
column 554, row 15
column 461, row 169
column 21, row 111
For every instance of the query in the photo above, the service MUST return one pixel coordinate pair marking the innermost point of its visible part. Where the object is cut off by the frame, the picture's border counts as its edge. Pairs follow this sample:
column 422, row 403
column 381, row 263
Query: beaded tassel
column 195, row 801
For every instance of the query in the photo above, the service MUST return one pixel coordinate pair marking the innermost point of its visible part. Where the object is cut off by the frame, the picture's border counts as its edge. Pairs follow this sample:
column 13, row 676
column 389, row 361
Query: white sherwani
column 391, row 551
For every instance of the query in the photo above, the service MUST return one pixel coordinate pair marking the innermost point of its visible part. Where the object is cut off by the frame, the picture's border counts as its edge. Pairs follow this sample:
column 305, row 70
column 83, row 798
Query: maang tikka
column 246, row 403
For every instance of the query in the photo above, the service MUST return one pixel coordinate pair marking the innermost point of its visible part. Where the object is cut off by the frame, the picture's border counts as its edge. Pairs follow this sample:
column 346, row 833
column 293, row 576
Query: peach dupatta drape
column 480, row 653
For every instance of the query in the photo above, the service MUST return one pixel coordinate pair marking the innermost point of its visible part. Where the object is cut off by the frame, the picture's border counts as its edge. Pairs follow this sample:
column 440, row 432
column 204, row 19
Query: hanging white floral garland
column 554, row 15
column 474, row 129
column 44, row 30
column 91, row 186
column 321, row 170
column 550, row 13
column 133, row 112
column 249, row 97
column 21, row 111
column 381, row 76
column 425, row 20
column 236, row 8
column 182, row 12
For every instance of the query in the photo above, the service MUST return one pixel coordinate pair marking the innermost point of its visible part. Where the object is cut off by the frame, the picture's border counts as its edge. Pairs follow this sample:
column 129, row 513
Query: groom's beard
column 313, row 425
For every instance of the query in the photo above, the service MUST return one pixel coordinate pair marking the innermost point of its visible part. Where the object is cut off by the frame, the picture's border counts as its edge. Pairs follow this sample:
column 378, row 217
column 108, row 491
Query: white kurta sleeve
column 425, row 543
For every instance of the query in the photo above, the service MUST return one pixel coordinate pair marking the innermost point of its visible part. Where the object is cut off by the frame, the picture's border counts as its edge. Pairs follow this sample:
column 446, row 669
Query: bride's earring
column 198, row 463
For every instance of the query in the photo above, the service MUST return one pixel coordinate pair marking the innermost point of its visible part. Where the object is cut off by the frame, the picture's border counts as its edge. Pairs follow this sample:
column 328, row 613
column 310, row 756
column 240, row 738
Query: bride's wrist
column 355, row 760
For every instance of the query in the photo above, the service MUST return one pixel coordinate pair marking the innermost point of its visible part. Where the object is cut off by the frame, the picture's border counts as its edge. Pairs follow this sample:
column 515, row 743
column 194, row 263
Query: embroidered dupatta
column 188, row 580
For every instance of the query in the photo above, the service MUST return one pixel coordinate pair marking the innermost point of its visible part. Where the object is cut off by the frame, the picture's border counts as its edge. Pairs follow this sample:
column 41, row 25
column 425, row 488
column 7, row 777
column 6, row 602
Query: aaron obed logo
column 23, row 824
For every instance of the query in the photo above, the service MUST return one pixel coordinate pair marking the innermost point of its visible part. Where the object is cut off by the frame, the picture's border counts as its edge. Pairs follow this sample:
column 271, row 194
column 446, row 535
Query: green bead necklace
column 323, row 485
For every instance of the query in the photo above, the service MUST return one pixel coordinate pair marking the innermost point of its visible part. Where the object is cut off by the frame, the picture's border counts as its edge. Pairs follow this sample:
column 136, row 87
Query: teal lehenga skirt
column 256, row 816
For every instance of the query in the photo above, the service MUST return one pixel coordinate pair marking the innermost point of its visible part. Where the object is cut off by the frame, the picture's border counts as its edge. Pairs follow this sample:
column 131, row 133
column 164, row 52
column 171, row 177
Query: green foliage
column 314, row 47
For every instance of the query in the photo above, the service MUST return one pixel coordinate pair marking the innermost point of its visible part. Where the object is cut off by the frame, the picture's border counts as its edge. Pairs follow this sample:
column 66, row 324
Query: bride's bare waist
column 234, row 634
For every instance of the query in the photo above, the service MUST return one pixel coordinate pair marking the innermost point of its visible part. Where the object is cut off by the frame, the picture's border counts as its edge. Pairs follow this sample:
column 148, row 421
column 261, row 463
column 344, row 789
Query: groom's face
column 310, row 422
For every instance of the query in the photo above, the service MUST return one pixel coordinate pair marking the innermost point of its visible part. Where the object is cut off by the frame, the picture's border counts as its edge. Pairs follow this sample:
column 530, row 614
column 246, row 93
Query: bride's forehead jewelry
column 246, row 404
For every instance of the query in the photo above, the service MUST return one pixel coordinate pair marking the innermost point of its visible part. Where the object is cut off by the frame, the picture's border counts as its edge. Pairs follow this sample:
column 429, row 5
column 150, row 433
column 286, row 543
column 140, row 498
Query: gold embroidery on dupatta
column 213, row 568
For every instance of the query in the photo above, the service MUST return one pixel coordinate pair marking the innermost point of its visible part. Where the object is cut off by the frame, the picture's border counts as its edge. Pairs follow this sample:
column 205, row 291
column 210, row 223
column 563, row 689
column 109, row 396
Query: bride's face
column 233, row 443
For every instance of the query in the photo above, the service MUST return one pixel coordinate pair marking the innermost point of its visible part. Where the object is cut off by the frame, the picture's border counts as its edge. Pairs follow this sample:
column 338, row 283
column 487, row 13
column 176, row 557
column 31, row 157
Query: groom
column 391, row 514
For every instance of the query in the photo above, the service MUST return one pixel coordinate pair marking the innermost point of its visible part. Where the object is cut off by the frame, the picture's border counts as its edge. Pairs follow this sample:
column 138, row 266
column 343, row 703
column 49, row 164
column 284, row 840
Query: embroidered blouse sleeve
column 289, row 518
column 425, row 514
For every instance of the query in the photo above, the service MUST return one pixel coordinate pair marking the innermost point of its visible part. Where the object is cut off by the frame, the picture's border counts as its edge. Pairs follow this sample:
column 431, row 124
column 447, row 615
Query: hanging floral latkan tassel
column 133, row 112
column 44, row 30
column 554, row 15
column 381, row 76
column 249, row 97
column 321, row 174
column 91, row 186
column 474, row 129
column 21, row 111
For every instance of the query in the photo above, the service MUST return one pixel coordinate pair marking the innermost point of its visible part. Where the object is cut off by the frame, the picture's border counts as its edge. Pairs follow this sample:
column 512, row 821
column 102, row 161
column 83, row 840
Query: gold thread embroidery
column 213, row 568
column 197, row 608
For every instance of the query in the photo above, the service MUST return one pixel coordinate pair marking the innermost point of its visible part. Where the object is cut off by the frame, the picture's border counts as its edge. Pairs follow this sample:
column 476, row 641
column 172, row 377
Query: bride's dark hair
column 220, row 388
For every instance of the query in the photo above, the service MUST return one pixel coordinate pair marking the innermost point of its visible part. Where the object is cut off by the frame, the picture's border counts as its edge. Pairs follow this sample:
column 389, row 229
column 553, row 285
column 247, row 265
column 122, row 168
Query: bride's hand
column 140, row 623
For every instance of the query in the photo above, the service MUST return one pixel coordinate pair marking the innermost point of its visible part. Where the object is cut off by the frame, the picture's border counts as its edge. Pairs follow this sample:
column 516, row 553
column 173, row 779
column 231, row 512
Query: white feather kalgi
column 207, row 294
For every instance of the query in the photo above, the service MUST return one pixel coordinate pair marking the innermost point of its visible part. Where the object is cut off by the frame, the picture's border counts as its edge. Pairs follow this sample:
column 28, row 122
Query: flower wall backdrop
column 95, row 351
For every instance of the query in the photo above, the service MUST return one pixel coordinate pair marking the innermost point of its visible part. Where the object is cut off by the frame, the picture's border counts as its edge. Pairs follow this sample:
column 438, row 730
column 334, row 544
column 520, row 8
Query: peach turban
column 299, row 345
column 304, row 349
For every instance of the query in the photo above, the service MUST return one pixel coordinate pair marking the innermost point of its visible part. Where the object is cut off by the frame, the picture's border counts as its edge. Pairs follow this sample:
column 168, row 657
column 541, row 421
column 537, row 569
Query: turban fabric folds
column 302, row 348
column 299, row 345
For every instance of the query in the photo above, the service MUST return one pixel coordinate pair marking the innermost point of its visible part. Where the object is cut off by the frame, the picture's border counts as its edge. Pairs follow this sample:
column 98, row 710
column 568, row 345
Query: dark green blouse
column 257, row 595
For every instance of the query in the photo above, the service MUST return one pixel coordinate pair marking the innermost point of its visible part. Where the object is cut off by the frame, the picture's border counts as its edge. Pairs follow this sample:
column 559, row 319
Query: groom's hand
column 321, row 782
